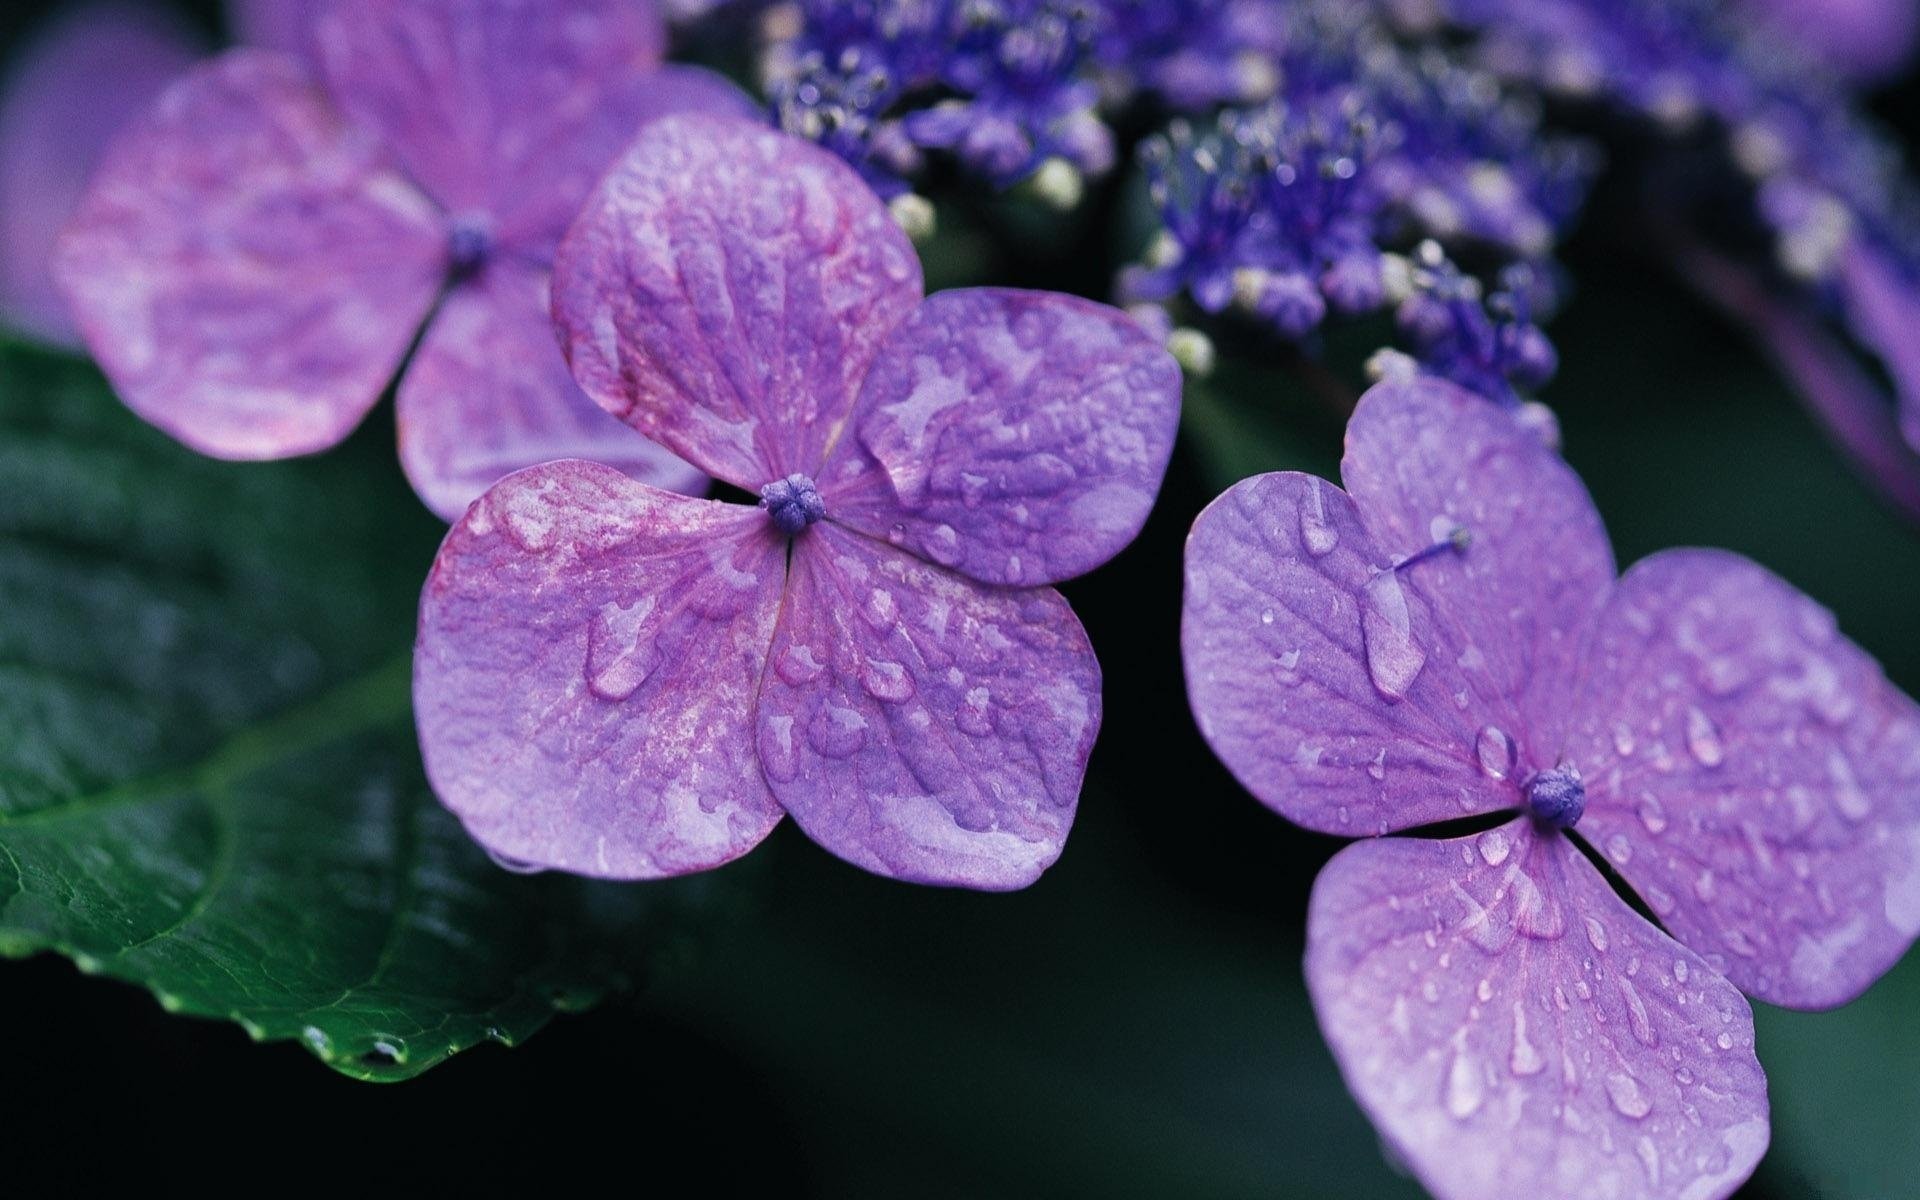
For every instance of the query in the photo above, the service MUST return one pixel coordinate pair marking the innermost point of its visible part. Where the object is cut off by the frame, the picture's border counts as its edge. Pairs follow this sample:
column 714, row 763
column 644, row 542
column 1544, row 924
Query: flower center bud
column 792, row 503
column 469, row 240
column 1557, row 797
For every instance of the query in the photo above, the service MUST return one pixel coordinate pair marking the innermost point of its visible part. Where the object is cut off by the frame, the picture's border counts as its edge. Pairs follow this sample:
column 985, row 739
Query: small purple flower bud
column 1289, row 300
column 1557, row 797
column 1352, row 283
column 792, row 503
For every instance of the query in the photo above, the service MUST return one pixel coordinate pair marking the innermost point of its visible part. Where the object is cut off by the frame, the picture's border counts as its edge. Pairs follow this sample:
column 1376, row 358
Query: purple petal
column 1754, row 777
column 1319, row 676
column 1885, row 308
column 283, row 25
column 724, row 292
column 72, row 88
column 923, row 726
column 584, row 679
column 1017, row 437
column 1861, row 39
column 488, row 393
column 487, row 103
column 1425, row 459
column 1514, row 1030
column 246, row 268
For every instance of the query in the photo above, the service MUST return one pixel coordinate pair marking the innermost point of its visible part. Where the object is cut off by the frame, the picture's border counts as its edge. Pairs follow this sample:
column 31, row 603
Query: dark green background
column 1135, row 1024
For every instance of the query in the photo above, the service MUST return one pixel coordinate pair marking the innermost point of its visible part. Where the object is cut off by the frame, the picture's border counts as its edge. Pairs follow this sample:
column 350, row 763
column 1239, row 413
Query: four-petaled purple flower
column 258, row 254
column 614, row 680
column 1446, row 639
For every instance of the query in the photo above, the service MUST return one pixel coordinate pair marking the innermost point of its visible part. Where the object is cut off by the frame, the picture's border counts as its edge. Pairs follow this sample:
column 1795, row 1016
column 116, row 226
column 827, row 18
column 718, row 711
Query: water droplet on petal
column 1484, row 990
column 1724, row 1041
column 1703, row 739
column 1622, row 740
column 1680, row 970
column 1465, row 1089
column 1597, row 934
column 837, row 732
column 1637, row 1018
column 1652, row 815
column 1316, row 533
column 973, row 717
column 1377, row 766
column 1683, row 1076
column 886, row 681
column 1494, row 845
column 882, row 610
column 1393, row 658
column 1526, row 1058
column 1848, row 796
column 620, row 656
column 1619, row 849
column 1289, row 662
column 798, row 665
column 942, row 545
column 1629, row 1099
column 1266, row 616
column 518, row 866
column 1495, row 751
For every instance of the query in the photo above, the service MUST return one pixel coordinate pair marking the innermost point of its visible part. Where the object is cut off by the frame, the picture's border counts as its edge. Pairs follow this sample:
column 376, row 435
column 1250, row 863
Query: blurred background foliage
column 1136, row 1023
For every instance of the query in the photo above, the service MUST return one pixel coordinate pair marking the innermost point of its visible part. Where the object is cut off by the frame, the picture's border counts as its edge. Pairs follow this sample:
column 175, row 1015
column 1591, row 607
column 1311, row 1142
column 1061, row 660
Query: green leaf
column 209, row 784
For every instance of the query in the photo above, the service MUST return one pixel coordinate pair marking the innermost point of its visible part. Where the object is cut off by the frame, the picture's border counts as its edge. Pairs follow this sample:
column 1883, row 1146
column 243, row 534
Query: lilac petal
column 584, row 678
column 485, row 101
column 1321, row 679
column 923, row 726
column 246, row 269
column 1017, row 437
column 75, row 85
column 1426, row 459
column 283, row 25
column 1885, row 308
column 725, row 290
column 1514, row 1030
column 488, row 393
column 1861, row 39
column 1754, row 777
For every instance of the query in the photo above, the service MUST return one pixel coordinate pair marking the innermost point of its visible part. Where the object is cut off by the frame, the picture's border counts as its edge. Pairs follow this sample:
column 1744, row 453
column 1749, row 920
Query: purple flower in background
column 259, row 252
column 621, row 682
column 76, row 84
column 1862, row 39
column 1446, row 638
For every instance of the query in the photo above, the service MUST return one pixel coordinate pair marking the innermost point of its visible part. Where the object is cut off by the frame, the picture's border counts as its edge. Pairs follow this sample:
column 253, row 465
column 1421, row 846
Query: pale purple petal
column 247, row 270
column 284, row 25
column 1515, row 1031
column 1863, row 39
column 488, row 393
column 483, row 100
column 1017, row 437
column 921, row 725
column 724, row 291
column 1426, row 459
column 1318, row 676
column 585, row 674
column 1885, row 308
column 1754, row 776
column 68, row 91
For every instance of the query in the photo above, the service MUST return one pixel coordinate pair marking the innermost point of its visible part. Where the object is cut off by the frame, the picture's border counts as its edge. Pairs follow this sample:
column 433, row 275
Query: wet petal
column 1320, row 678
column 1425, row 458
column 488, row 393
column 1515, row 1030
column 921, row 725
column 484, row 101
column 248, row 270
column 1754, row 776
column 1017, row 437
column 72, row 87
column 725, row 290
column 584, row 679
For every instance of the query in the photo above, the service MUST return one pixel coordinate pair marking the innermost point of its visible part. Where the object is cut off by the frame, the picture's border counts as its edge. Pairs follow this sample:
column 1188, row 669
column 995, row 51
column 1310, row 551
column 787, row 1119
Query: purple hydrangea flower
column 1861, row 39
column 258, row 254
column 1446, row 638
column 621, row 682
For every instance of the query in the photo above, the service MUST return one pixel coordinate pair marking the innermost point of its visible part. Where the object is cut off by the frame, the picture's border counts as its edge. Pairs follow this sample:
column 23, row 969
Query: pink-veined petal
column 1318, row 676
column 248, row 270
column 488, row 393
column 584, row 678
column 1516, row 1031
column 1017, row 437
column 724, row 291
column 1753, row 775
column 922, row 725
column 68, row 92
column 1425, row 458
column 481, row 100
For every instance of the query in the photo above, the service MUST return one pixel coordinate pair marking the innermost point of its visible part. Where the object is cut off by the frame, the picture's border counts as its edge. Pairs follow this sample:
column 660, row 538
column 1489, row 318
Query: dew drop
column 1649, row 1160
column 1465, row 1089
column 1526, row 1058
column 1289, row 667
column 973, row 717
column 1494, row 845
column 1703, row 885
column 887, row 681
column 1637, row 1018
column 1316, row 533
column 1597, row 934
column 942, row 545
column 1848, row 796
column 1619, row 849
column 837, row 732
column 1622, row 740
column 316, row 1039
column 1724, row 1041
column 1495, row 751
column 1394, row 659
column 1680, row 970
column 882, row 610
column 1484, row 990
column 620, row 656
column 1377, row 766
column 1629, row 1099
column 798, row 665
column 1652, row 815
column 1703, row 739
column 1266, row 616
